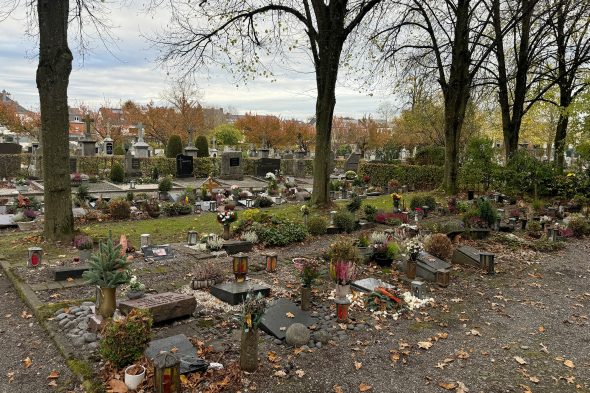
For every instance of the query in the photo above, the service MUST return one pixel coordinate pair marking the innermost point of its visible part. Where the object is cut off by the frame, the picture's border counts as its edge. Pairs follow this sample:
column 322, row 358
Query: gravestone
column 231, row 166
column 265, row 165
column 299, row 168
column 132, row 165
column 430, row 268
column 264, row 153
column 158, row 252
column 182, row 348
column 73, row 165
column 369, row 284
column 468, row 256
column 10, row 148
column 163, row 306
column 87, row 144
column 190, row 149
column 63, row 273
column 236, row 246
column 236, row 292
column 140, row 147
column 352, row 162
column 184, row 165
column 275, row 320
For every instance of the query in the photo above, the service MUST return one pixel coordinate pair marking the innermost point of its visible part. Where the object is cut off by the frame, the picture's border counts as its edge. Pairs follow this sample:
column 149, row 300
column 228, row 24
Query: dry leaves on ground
column 358, row 365
column 117, row 386
column 424, row 345
column 520, row 360
column 569, row 363
column 27, row 362
column 338, row 389
column 363, row 387
column 53, row 375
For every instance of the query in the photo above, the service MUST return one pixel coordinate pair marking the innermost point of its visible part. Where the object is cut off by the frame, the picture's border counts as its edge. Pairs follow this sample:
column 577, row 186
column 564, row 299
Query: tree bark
column 55, row 65
column 560, row 135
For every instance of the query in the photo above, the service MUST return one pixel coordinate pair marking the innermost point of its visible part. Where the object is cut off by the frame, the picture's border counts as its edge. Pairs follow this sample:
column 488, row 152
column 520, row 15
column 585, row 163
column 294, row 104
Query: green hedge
column 98, row 165
column 10, row 165
column 423, row 177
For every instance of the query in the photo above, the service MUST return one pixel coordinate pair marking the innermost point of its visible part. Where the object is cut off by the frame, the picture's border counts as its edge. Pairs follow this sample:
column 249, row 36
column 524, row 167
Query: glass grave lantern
column 35, row 256
column 167, row 373
column 271, row 262
column 192, row 238
column 132, row 184
column 240, row 267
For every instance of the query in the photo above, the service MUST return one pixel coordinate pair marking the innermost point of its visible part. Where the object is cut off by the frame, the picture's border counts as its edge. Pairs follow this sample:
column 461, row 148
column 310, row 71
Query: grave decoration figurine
column 309, row 272
column 225, row 218
column 252, row 311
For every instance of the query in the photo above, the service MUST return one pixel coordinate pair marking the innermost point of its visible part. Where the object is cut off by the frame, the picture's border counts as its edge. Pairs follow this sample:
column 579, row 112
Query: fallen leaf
column 290, row 315
column 461, row 354
column 27, row 362
column 10, row 376
column 534, row 379
column 183, row 379
column 337, row 389
column 53, row 375
column 117, row 386
column 520, row 360
column 69, row 279
column 280, row 374
column 272, row 357
column 424, row 344
column 444, row 336
column 358, row 365
column 569, row 363
column 282, row 328
column 394, row 356
column 300, row 373
column 364, row 387
column 461, row 388
column 174, row 350
column 52, row 383
column 474, row 332
column 26, row 315
column 541, row 329
column 447, row 385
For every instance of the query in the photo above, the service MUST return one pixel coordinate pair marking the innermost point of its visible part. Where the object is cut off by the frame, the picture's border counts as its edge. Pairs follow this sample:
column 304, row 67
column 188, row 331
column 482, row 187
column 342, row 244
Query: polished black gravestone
column 276, row 322
column 369, row 284
column 63, row 273
column 183, row 348
column 184, row 166
column 158, row 252
column 468, row 256
column 235, row 292
column 236, row 246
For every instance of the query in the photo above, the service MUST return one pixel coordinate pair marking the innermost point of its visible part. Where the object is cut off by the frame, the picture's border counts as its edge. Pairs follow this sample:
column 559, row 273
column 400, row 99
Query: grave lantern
column 132, row 184
column 342, row 309
column 145, row 240
column 486, row 260
column 240, row 267
column 35, row 256
column 332, row 214
column 198, row 208
column 167, row 373
column 212, row 206
column 552, row 234
column 249, row 203
column 271, row 262
column 419, row 289
column 191, row 238
column 443, row 277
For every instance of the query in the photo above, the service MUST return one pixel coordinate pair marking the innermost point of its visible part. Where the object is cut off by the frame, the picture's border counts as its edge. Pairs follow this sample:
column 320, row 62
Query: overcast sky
column 131, row 73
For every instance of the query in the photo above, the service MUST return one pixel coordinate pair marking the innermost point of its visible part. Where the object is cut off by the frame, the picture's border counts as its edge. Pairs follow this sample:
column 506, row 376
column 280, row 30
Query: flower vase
column 342, row 310
column 342, row 291
column 225, row 232
column 249, row 350
column 108, row 302
column 396, row 205
column 305, row 298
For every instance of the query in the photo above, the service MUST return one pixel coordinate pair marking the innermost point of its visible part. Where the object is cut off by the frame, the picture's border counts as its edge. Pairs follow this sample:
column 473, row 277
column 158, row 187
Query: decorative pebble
column 78, row 341
column 278, row 342
column 60, row 311
column 89, row 337
column 61, row 316
column 318, row 345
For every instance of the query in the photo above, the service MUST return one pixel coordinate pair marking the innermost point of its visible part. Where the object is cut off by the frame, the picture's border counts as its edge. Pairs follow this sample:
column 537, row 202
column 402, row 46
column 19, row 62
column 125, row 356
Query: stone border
column 32, row 301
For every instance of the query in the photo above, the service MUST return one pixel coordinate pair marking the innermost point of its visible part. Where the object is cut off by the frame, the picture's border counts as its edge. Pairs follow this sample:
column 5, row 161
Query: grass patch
column 420, row 326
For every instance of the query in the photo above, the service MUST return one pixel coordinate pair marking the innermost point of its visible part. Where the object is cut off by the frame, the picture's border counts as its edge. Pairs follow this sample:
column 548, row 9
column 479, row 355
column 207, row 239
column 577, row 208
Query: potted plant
column 214, row 242
column 21, row 184
column 343, row 258
column 362, row 245
column 309, row 272
column 152, row 208
column 164, row 187
column 107, row 269
column 305, row 210
column 414, row 248
column 136, row 289
column 207, row 274
column 273, row 186
column 25, row 219
column 396, row 201
column 252, row 310
column 84, row 244
column 225, row 218
column 134, row 376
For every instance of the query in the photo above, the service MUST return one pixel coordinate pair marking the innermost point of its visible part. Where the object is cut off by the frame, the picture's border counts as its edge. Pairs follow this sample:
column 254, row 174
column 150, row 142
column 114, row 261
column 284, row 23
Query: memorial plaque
column 265, row 165
column 184, row 166
column 468, row 256
column 109, row 148
column 276, row 322
column 369, row 284
column 163, row 251
column 135, row 163
column 63, row 273
column 73, row 165
column 236, row 246
column 236, row 292
column 234, row 161
column 163, row 306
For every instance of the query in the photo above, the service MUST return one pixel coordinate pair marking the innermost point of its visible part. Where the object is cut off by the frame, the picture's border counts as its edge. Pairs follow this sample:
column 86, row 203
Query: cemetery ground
column 523, row 329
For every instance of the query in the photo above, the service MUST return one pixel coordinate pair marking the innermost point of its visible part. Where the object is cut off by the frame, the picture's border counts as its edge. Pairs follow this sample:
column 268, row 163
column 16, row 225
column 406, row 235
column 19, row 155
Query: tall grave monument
column 190, row 149
column 87, row 144
column 140, row 147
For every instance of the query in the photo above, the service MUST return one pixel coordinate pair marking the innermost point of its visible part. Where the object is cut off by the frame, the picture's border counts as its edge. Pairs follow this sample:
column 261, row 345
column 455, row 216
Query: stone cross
column 88, row 122
column 214, row 142
column 190, row 136
column 140, row 132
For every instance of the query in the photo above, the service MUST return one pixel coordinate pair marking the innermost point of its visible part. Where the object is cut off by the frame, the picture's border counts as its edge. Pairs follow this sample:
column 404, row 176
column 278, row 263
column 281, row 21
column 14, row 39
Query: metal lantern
column 419, row 289
column 486, row 260
column 249, row 202
column 145, row 240
column 443, row 277
column 553, row 234
column 240, row 267
column 271, row 262
column 191, row 238
column 342, row 309
column 212, row 206
column 35, row 256
column 132, row 184
column 167, row 373
column 198, row 208
column 332, row 214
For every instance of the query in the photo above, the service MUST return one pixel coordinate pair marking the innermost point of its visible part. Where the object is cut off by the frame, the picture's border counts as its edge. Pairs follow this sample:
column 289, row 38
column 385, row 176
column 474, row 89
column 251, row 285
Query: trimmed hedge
column 10, row 165
column 425, row 177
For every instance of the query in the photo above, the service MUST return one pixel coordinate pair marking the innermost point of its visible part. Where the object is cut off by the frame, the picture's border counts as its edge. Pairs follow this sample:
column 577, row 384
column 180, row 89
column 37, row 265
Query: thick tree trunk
column 55, row 65
column 560, row 135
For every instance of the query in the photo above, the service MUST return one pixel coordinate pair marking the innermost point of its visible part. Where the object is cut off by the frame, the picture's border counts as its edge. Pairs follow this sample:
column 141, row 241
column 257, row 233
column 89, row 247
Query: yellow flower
column 571, row 174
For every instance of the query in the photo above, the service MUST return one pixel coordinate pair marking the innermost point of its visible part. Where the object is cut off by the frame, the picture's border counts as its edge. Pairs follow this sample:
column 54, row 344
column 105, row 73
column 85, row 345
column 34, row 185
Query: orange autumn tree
column 275, row 132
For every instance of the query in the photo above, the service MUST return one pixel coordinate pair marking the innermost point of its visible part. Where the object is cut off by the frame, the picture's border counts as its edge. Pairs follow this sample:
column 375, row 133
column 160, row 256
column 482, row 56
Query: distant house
column 24, row 114
column 77, row 126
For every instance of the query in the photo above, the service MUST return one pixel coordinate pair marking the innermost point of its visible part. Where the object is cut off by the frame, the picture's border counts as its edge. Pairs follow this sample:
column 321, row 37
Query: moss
column 81, row 368
column 419, row 326
column 205, row 323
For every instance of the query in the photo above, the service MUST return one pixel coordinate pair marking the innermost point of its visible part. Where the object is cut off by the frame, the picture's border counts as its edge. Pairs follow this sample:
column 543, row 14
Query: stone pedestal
column 163, row 306
column 231, row 166
column 87, row 147
column 235, row 293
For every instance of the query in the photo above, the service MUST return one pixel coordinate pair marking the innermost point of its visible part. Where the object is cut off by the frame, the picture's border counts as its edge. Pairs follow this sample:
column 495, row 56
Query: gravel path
column 22, row 339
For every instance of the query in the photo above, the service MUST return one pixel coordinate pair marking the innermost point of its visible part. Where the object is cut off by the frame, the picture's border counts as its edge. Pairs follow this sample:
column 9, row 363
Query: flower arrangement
column 378, row 238
column 227, row 217
column 214, row 242
column 342, row 272
column 392, row 183
column 235, row 190
column 363, row 241
column 135, row 285
column 305, row 210
column 308, row 270
column 270, row 176
column 366, row 179
column 253, row 309
column 82, row 242
column 396, row 197
column 414, row 247
column 350, row 175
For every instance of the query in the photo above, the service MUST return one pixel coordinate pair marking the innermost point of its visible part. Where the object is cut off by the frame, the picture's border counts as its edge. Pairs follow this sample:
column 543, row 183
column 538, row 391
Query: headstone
column 352, row 162
column 132, row 165
column 468, row 256
column 190, row 149
column 140, row 147
column 63, row 273
column 10, row 148
column 158, row 252
column 235, row 292
column 369, row 284
column 299, row 168
column 265, row 165
column 181, row 347
column 73, row 165
column 236, row 246
column 231, row 166
column 276, row 322
column 87, row 144
column 264, row 152
column 184, row 165
column 430, row 268
column 163, row 306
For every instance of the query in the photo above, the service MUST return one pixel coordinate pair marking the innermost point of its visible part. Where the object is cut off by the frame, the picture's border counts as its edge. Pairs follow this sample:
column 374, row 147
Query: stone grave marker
column 184, row 165
column 430, row 268
column 163, row 306
column 183, row 348
column 236, row 246
column 158, row 252
column 231, row 166
column 132, row 165
column 468, row 256
column 63, row 273
column 73, row 165
column 235, row 292
column 369, row 284
column 265, row 165
column 275, row 320
column 352, row 162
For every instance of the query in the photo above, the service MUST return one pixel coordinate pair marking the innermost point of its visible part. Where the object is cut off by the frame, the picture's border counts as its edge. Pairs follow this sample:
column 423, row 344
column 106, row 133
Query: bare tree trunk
column 560, row 135
column 55, row 65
